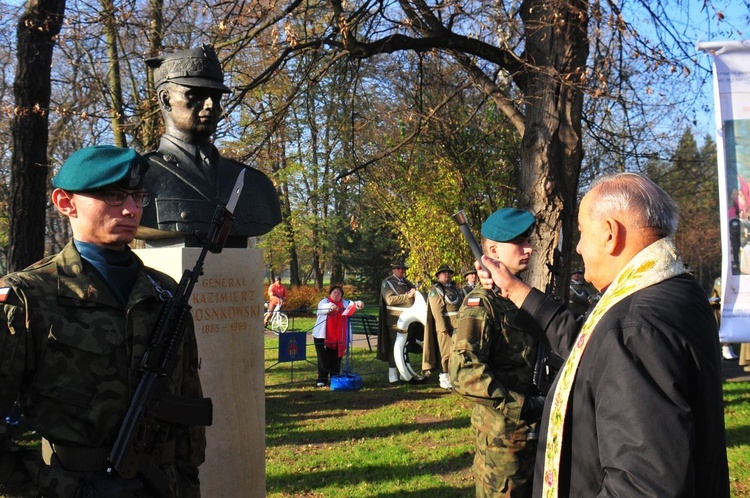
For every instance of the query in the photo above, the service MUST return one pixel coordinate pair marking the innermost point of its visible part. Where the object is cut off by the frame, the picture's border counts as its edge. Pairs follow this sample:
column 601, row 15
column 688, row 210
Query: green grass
column 383, row 440
column 737, row 422
column 398, row 440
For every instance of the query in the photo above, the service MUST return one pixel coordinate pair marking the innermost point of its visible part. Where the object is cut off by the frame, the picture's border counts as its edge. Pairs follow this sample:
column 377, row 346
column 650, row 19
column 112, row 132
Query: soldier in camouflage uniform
column 75, row 327
column 492, row 363
column 443, row 302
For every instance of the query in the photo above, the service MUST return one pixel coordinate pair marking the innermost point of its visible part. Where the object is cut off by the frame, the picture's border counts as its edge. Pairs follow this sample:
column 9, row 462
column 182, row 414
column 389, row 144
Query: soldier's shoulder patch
column 473, row 301
column 384, row 284
column 433, row 292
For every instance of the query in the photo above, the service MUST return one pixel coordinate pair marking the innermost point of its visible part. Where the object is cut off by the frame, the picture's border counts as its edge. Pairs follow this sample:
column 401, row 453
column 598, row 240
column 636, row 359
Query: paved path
column 733, row 372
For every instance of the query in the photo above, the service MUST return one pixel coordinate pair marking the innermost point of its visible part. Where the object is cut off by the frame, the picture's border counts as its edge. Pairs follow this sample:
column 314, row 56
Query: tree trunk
column 149, row 108
column 286, row 217
column 36, row 32
column 113, row 74
column 317, row 271
column 557, row 49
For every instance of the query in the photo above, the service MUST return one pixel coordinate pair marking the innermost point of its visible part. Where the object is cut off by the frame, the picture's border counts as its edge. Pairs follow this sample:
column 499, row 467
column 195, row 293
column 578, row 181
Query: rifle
column 151, row 407
column 463, row 225
column 541, row 377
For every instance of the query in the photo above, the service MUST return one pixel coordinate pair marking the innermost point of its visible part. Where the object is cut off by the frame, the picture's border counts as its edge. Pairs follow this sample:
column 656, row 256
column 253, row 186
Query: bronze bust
column 188, row 177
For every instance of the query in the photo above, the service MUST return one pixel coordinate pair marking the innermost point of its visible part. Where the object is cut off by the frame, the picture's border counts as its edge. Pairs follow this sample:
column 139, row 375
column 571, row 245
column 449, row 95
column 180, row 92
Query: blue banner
column 292, row 346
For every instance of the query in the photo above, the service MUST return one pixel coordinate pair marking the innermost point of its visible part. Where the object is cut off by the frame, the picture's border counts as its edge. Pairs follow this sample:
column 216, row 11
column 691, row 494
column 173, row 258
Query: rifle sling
column 185, row 411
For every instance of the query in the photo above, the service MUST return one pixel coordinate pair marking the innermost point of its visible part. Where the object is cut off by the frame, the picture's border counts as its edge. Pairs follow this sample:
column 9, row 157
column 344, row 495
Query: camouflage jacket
column 492, row 361
column 70, row 353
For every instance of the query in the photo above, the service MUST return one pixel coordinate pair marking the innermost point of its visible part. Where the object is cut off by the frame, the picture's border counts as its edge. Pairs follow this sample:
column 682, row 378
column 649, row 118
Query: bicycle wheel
column 279, row 322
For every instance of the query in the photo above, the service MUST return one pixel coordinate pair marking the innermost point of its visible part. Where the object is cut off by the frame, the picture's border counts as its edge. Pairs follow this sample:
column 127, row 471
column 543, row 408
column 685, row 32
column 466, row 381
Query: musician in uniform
column 443, row 302
column 579, row 298
column 470, row 275
column 396, row 295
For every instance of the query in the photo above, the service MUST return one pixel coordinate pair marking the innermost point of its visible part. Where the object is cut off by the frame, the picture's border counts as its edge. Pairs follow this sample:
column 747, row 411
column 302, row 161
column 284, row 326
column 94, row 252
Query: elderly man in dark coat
column 637, row 408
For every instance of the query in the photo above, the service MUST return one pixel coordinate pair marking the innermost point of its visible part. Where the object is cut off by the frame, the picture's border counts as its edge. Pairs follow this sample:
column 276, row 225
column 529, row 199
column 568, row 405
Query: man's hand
column 532, row 409
column 510, row 286
column 411, row 292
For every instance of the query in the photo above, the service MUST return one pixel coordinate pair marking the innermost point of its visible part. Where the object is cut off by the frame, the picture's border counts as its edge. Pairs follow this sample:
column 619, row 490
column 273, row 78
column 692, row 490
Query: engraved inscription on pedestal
column 221, row 304
column 227, row 308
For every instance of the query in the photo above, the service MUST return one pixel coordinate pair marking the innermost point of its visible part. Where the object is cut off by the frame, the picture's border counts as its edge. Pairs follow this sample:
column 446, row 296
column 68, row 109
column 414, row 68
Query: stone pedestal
column 227, row 304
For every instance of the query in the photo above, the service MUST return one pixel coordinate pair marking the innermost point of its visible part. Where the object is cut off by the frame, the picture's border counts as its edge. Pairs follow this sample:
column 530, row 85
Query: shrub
column 302, row 298
column 306, row 297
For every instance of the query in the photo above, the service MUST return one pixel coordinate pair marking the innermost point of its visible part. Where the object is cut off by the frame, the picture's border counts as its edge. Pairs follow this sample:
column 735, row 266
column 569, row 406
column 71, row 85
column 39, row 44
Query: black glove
column 532, row 408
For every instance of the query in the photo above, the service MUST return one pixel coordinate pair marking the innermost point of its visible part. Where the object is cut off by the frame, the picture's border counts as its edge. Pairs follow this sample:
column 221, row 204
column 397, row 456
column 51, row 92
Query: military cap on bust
column 100, row 166
column 399, row 264
column 508, row 224
column 442, row 269
column 197, row 67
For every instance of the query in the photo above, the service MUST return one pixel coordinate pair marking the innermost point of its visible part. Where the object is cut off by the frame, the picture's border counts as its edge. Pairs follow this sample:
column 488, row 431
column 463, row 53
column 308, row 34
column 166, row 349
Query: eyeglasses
column 117, row 197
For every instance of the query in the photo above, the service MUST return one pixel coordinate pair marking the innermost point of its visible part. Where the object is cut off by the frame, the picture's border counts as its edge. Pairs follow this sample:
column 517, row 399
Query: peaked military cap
column 399, row 264
column 442, row 269
column 196, row 67
column 92, row 168
column 508, row 224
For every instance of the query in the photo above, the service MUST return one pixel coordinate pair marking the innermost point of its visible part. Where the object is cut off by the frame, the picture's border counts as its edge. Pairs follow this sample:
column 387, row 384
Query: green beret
column 444, row 268
column 101, row 166
column 196, row 67
column 508, row 224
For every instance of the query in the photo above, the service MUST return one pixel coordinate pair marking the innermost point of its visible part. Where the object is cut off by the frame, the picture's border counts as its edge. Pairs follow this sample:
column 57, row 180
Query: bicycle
column 279, row 322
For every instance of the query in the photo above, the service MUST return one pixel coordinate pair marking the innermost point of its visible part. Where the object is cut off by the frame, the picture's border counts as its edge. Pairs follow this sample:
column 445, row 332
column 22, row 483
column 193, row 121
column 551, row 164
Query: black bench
column 364, row 324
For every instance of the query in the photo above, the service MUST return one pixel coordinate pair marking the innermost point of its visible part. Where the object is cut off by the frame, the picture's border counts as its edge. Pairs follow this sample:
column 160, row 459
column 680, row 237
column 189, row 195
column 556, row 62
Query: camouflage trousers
column 504, row 464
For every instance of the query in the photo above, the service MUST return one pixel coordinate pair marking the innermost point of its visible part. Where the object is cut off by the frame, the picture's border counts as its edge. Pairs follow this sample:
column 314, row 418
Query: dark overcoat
column 645, row 415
